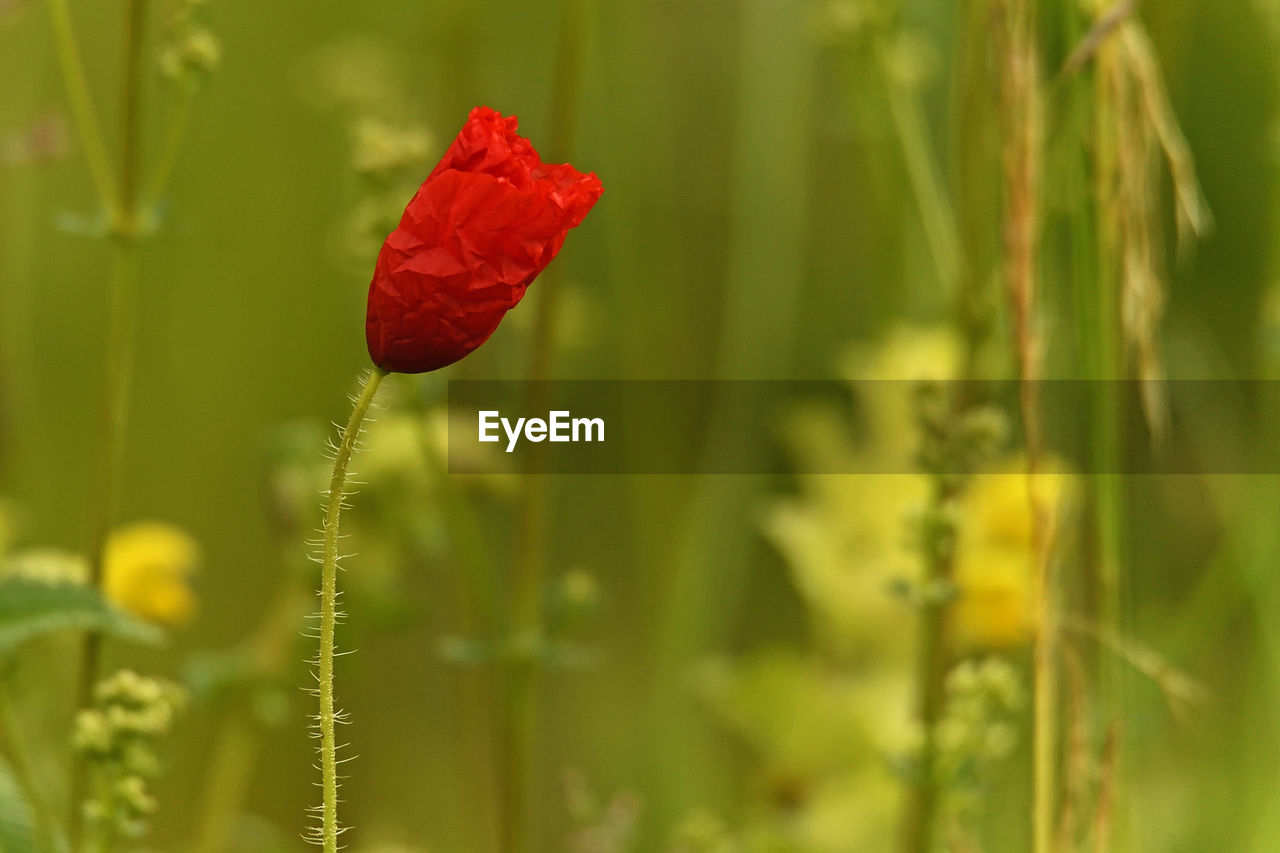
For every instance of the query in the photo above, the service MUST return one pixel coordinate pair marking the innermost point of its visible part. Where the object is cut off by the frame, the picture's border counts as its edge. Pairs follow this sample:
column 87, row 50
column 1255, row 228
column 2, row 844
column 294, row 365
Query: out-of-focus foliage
column 30, row 609
column 15, row 815
column 119, row 738
column 773, row 175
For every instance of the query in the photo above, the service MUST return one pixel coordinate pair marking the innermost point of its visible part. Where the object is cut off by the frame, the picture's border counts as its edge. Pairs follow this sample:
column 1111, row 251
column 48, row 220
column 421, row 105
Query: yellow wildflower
column 993, row 609
column 148, row 568
column 995, row 556
column 999, row 509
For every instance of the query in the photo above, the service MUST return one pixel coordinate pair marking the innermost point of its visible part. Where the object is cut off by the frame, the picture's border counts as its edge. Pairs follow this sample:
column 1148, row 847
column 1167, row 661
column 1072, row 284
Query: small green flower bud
column 91, row 734
column 580, row 589
column 139, row 759
column 132, row 794
column 381, row 150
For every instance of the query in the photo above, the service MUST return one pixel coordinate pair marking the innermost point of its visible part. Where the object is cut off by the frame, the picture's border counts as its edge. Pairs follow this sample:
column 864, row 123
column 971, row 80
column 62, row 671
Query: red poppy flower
column 484, row 223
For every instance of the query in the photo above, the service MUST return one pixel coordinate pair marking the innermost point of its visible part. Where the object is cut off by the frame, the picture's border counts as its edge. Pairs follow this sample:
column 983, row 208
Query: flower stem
column 20, row 762
column 105, row 834
column 329, row 610
column 113, row 422
column 121, row 203
column 922, row 805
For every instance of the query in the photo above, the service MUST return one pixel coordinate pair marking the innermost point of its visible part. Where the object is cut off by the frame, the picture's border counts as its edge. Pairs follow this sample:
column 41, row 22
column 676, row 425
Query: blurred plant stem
column 83, row 115
column 922, row 807
column 935, row 211
column 228, row 774
column 13, row 746
column 1101, row 333
column 477, row 608
column 170, row 145
column 968, row 263
column 112, row 426
column 328, row 718
column 122, row 207
column 233, row 756
column 127, row 228
column 701, row 577
column 1021, row 106
column 520, row 672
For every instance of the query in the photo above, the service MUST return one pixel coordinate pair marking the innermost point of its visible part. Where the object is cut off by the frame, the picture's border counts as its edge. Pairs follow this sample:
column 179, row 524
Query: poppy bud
column 484, row 223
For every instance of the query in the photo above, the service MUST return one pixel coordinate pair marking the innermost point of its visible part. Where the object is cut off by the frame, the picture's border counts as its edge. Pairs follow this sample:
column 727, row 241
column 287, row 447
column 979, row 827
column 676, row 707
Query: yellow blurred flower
column 148, row 570
column 995, row 558
column 994, row 607
column 998, row 506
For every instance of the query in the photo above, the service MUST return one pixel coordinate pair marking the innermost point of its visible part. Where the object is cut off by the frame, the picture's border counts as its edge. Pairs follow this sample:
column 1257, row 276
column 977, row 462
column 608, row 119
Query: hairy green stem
column 327, row 718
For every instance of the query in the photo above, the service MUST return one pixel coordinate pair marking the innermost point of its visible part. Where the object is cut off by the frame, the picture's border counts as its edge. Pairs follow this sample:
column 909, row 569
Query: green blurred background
column 757, row 219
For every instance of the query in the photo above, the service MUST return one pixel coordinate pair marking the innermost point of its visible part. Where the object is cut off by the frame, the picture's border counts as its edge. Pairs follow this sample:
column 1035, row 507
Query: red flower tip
column 488, row 219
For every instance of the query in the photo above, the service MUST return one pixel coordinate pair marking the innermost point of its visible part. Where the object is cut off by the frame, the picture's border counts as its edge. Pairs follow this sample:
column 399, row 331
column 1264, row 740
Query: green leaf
column 31, row 609
column 16, row 834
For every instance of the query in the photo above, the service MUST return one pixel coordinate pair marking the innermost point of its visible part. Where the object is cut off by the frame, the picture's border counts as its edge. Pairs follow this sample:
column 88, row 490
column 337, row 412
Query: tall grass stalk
column 1090, row 114
column 1021, row 107
column 705, row 572
column 932, row 203
column 1101, row 335
column 520, row 673
column 1122, row 297
column 477, row 592
column 232, row 758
